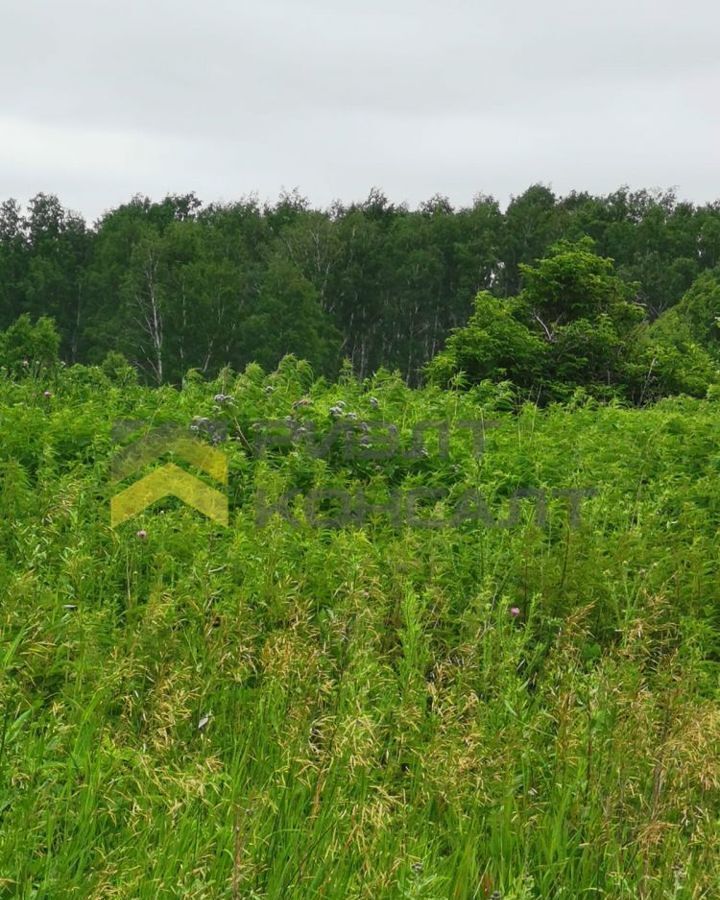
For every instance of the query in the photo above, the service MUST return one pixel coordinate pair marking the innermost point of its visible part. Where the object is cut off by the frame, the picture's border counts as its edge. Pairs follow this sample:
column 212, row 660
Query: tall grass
column 304, row 711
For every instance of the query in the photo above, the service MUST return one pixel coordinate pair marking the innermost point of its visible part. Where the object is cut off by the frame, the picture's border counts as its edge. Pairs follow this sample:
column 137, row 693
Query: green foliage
column 299, row 710
column 27, row 348
column 116, row 368
column 665, row 367
column 575, row 324
column 175, row 285
column 495, row 344
column 287, row 319
column 680, row 351
column 697, row 315
column 573, row 282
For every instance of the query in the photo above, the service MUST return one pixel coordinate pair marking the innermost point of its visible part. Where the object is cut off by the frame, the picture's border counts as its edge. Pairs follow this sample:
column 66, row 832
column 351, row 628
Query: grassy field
column 382, row 709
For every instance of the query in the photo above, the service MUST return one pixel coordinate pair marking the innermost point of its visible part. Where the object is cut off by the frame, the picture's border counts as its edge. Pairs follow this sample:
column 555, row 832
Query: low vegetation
column 486, row 707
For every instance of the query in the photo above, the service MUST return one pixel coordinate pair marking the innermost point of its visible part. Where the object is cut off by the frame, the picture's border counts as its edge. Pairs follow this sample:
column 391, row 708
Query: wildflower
column 514, row 611
column 47, row 394
column 141, row 534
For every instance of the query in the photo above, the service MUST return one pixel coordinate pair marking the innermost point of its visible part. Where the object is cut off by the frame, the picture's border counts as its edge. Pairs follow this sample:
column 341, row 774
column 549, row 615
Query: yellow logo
column 169, row 480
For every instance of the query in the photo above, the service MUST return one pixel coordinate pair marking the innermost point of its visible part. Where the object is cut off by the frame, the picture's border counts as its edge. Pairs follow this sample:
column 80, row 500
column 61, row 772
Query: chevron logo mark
column 169, row 480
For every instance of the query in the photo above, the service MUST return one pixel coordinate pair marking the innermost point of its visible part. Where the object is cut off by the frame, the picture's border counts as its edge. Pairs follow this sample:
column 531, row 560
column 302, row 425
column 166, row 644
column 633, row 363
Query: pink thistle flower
column 142, row 534
column 514, row 611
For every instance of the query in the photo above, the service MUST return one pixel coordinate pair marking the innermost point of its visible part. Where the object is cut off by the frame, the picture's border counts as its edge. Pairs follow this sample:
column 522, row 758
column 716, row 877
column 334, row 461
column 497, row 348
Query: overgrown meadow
column 490, row 707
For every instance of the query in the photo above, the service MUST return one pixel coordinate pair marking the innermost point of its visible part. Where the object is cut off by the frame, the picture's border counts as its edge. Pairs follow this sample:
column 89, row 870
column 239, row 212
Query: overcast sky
column 101, row 100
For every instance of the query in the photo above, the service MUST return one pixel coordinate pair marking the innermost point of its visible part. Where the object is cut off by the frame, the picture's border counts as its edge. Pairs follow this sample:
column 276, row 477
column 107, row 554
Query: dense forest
column 612, row 293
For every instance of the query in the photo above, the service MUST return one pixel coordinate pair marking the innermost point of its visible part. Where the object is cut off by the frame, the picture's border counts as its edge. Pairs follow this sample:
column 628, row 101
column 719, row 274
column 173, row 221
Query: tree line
column 177, row 285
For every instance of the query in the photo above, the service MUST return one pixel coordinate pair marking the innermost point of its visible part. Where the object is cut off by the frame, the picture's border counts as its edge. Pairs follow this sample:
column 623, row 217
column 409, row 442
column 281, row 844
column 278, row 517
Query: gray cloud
column 104, row 99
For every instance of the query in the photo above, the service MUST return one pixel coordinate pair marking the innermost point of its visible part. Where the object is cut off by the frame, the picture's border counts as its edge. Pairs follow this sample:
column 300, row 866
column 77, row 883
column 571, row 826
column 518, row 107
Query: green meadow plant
column 373, row 710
